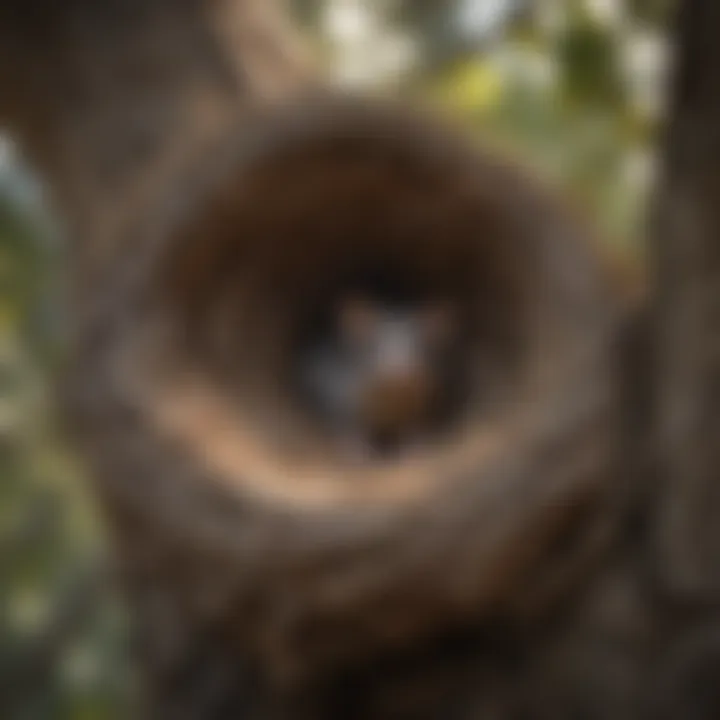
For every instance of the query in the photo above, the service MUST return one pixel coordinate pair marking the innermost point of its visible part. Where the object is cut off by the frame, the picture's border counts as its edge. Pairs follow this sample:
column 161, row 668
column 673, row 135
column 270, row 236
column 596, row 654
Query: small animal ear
column 440, row 322
column 357, row 319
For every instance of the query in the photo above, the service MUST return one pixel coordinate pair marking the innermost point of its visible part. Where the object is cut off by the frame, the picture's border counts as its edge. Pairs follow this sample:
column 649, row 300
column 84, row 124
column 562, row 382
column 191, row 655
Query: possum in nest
column 383, row 374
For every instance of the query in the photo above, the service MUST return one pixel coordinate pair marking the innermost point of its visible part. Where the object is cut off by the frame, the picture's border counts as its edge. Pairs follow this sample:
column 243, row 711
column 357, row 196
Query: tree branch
column 111, row 98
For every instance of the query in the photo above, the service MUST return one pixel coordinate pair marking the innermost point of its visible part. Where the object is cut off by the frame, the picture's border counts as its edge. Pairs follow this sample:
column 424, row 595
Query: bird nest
column 199, row 351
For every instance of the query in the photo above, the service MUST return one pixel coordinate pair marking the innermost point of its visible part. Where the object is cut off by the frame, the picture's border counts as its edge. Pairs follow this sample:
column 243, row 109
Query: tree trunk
column 687, row 278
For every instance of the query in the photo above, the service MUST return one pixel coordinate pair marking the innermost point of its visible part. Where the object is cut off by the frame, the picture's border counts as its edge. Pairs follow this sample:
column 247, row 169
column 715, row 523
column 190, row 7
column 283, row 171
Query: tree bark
column 111, row 100
column 687, row 287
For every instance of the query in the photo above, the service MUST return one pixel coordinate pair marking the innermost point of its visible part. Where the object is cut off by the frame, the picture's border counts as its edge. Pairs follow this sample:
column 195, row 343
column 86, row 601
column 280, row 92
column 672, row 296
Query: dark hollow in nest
column 343, row 196
column 334, row 192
